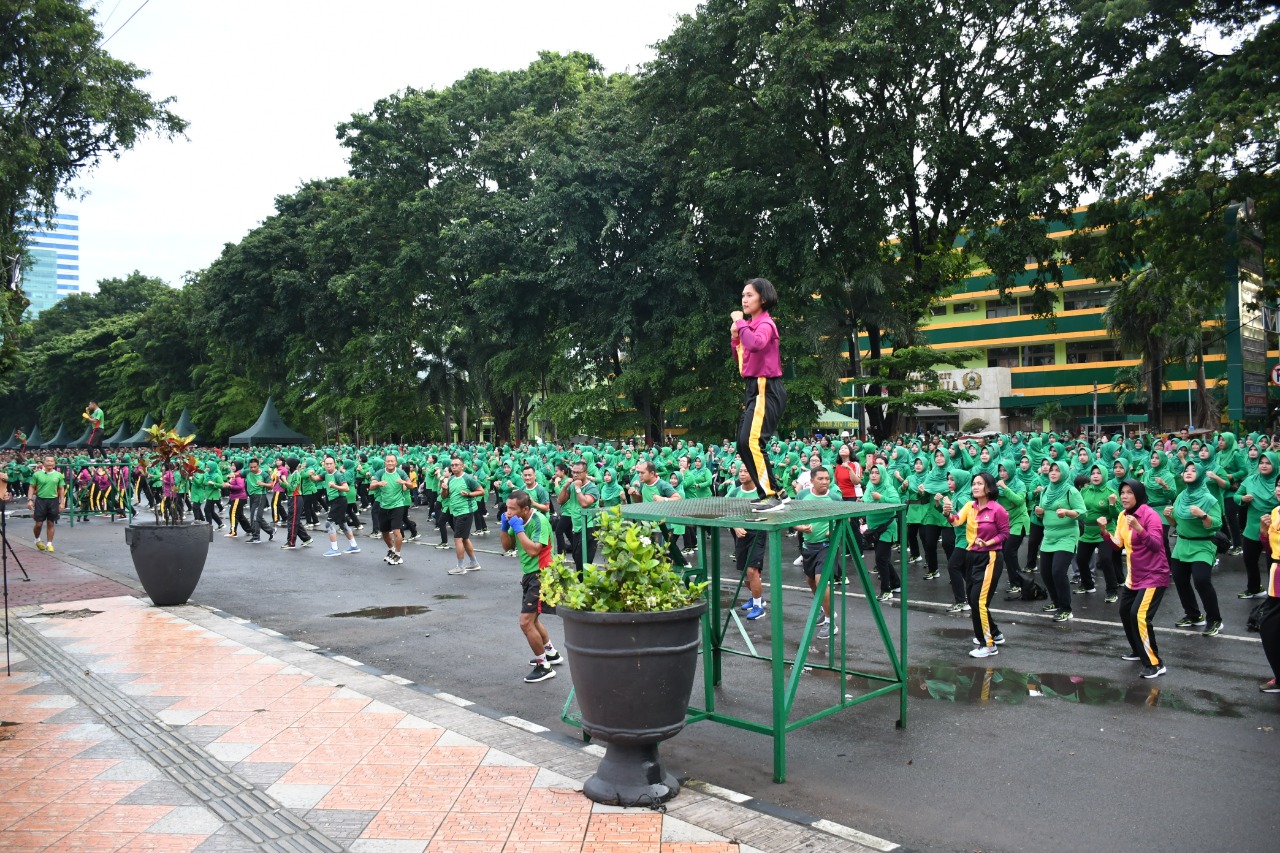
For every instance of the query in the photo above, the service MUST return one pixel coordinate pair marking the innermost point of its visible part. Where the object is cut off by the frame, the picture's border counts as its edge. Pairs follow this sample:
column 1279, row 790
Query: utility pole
column 1095, row 410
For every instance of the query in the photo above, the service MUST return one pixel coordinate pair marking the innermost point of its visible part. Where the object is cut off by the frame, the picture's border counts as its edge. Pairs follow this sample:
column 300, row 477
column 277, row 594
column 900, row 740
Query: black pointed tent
column 10, row 443
column 120, row 435
column 83, row 440
column 139, row 438
column 33, row 438
column 185, row 427
column 60, row 438
column 269, row 429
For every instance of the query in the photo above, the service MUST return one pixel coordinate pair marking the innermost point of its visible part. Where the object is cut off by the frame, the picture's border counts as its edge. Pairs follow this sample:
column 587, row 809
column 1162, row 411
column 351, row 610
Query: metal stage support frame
column 709, row 516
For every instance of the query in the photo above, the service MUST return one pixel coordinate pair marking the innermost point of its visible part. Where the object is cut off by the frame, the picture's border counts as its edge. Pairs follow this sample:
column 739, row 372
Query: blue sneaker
column 332, row 552
column 755, row 612
column 354, row 549
column 746, row 605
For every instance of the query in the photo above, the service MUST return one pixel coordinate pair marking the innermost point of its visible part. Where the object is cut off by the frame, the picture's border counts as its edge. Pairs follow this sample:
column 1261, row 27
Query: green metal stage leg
column 717, row 657
column 710, row 648
column 902, row 627
column 779, row 661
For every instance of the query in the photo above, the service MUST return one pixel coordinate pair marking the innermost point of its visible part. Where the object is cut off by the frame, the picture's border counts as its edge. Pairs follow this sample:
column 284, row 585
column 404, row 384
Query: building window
column 1082, row 352
column 938, row 310
column 1002, row 357
column 1083, row 299
column 996, row 309
column 1040, row 355
column 964, row 307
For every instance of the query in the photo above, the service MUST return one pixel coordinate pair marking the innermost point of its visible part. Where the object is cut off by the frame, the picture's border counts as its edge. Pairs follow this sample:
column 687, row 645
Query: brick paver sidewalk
column 128, row 727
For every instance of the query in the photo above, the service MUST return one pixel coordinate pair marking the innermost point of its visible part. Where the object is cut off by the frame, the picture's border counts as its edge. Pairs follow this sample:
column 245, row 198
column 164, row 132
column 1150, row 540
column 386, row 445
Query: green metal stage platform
column 709, row 516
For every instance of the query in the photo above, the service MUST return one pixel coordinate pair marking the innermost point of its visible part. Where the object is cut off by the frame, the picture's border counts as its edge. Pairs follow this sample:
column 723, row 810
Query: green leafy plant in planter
column 631, row 634
column 167, row 447
column 169, row 556
column 637, row 575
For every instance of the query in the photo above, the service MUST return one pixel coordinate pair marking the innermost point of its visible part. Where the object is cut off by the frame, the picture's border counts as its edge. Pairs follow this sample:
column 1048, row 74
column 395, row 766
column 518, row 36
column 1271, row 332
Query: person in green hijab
column 1231, row 464
column 1161, row 484
column 1257, row 493
column 1100, row 502
column 882, row 528
column 1060, row 507
column 1197, row 516
column 933, row 487
column 961, row 494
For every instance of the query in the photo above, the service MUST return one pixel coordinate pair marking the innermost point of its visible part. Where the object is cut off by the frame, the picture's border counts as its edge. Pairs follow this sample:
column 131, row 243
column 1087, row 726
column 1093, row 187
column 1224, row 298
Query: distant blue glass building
column 53, row 263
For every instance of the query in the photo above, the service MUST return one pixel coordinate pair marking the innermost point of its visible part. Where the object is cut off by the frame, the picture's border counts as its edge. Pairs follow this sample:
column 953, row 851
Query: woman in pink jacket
column 1140, row 534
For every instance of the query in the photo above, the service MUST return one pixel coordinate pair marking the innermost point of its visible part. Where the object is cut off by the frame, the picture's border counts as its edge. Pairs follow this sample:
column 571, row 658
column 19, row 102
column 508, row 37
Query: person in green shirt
column 1060, row 507
column 47, row 498
column 336, row 490
column 258, row 485
column 97, row 424
column 650, row 488
column 528, row 532
column 817, row 543
column 1100, row 502
column 296, row 474
column 460, row 492
column 1257, row 495
column 1197, row 517
column 578, row 498
column 389, row 488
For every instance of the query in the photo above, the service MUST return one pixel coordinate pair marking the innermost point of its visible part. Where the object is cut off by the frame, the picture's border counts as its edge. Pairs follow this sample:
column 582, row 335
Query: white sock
column 758, row 602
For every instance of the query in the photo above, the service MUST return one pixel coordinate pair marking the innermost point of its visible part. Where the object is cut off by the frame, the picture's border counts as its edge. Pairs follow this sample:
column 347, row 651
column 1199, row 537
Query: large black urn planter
column 633, row 673
column 169, row 560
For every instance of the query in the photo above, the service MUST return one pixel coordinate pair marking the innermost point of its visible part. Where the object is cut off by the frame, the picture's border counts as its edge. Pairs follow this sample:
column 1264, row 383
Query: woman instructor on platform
column 756, row 345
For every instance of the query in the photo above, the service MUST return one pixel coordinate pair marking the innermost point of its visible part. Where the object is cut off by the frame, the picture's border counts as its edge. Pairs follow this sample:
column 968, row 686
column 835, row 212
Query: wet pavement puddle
column 383, row 612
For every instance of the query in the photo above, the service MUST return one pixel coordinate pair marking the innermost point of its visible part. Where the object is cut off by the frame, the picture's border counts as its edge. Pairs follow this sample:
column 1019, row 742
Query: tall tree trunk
column 462, row 424
column 876, row 417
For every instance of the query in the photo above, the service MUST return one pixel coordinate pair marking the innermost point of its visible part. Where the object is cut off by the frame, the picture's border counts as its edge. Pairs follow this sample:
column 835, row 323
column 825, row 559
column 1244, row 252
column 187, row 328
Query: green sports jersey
column 390, row 495
column 253, row 483
column 331, row 483
column 574, row 510
column 458, row 504
column 47, row 483
column 659, row 489
column 821, row 529
column 537, row 528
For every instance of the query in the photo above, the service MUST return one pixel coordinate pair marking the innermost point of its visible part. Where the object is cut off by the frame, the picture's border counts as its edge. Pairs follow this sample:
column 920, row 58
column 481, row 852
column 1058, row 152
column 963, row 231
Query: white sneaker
column 798, row 561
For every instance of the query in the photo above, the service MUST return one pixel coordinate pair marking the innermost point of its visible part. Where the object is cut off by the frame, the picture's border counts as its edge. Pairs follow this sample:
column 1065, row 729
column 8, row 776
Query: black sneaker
column 1049, row 608
column 1190, row 622
column 1153, row 671
column 772, row 503
column 1213, row 630
column 1131, row 657
column 540, row 673
column 552, row 659
column 1063, row 616
column 1111, row 598
column 998, row 639
column 1085, row 590
column 1256, row 593
column 931, row 575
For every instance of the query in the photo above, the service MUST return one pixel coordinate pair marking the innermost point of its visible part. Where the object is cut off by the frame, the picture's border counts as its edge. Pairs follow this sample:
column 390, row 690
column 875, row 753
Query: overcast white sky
column 264, row 83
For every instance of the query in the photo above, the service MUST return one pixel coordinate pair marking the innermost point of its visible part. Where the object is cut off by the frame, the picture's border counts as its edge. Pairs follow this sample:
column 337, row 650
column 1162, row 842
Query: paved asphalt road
column 1058, row 746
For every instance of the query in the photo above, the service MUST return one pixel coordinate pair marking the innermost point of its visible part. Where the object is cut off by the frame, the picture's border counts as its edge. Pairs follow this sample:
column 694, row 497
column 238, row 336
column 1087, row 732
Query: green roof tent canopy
column 60, row 438
column 10, row 442
column 185, row 427
column 269, row 429
column 829, row 418
column 83, row 440
column 139, row 438
column 120, row 435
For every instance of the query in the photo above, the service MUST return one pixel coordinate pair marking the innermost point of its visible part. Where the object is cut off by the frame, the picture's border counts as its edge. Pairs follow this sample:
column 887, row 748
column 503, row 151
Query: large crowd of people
column 1045, row 516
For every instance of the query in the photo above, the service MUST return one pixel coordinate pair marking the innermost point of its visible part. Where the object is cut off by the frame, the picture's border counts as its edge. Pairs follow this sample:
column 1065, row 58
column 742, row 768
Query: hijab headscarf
column 1196, row 493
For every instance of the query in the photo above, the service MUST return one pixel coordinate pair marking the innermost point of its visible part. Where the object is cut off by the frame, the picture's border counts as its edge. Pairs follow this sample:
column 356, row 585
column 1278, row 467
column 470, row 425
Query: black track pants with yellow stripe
column 984, row 579
column 766, row 398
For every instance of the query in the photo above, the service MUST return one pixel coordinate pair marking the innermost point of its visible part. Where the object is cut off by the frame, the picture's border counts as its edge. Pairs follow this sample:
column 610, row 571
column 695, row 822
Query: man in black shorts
column 47, row 497
column 528, row 533
column 749, row 548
